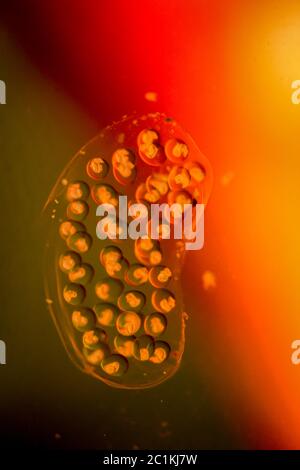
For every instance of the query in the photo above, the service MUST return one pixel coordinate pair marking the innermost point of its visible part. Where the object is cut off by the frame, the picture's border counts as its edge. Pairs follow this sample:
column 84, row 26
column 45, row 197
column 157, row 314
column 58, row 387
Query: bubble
column 155, row 257
column 163, row 300
column 68, row 261
column 77, row 190
column 143, row 348
column 83, row 319
column 95, row 356
column 123, row 161
column 143, row 194
column 159, row 183
column 161, row 352
column 92, row 338
column 160, row 276
column 82, row 274
column 155, row 324
column 117, row 270
column 97, row 168
column 80, row 242
column 148, row 251
column 124, row 345
column 104, row 193
column 110, row 254
column 196, row 172
column 137, row 275
column 132, row 300
column 144, row 246
column 128, row 323
column 149, row 148
column 70, row 227
column 118, row 304
column 106, row 314
column 176, row 150
column 109, row 289
column 180, row 197
column 74, row 294
column 115, row 365
column 77, row 210
column 179, row 178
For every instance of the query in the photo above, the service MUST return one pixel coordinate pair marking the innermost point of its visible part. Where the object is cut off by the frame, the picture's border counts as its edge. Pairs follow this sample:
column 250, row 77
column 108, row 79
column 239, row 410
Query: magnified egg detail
column 116, row 301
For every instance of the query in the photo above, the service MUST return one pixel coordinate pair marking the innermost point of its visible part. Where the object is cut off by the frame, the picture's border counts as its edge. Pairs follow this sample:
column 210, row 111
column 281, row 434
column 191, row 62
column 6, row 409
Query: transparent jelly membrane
column 117, row 304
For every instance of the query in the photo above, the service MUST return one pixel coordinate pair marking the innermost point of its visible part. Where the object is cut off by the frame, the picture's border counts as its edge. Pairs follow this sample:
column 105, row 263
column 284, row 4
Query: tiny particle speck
column 208, row 280
column 121, row 138
column 64, row 182
column 57, row 436
column 151, row 96
column 227, row 178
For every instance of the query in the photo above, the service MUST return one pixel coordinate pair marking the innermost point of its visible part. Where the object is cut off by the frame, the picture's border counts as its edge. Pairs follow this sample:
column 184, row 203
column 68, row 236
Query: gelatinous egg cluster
column 117, row 303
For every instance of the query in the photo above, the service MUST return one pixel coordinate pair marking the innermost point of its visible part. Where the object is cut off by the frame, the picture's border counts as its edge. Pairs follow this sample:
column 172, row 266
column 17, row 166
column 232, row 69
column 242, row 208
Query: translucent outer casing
column 140, row 157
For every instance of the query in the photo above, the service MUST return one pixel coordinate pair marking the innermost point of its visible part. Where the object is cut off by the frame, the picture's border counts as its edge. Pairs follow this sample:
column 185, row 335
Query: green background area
column 45, row 400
